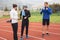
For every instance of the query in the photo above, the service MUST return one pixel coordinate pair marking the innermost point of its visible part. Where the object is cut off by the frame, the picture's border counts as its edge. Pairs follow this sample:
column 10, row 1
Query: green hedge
column 37, row 13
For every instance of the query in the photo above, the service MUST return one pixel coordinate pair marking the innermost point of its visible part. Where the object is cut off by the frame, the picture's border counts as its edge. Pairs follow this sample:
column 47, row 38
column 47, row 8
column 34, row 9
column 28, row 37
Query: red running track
column 35, row 31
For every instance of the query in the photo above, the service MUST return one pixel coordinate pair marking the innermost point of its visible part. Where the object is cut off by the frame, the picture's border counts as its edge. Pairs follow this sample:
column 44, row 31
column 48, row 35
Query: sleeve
column 11, row 15
column 49, row 11
column 29, row 14
column 20, row 14
column 41, row 11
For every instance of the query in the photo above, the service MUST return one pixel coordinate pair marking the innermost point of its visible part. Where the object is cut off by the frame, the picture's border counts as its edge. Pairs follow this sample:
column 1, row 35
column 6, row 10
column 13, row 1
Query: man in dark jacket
column 25, row 14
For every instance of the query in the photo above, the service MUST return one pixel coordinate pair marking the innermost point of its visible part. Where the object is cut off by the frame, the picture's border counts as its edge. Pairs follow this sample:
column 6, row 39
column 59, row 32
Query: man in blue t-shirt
column 46, row 11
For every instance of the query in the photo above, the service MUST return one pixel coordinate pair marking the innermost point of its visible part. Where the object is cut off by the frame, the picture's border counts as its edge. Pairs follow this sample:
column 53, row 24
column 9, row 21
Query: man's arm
column 29, row 15
column 49, row 11
column 20, row 14
column 41, row 11
column 11, row 15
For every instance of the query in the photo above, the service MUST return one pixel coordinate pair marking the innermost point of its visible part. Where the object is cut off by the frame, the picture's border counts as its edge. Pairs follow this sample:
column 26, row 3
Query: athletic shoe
column 43, row 35
column 47, row 34
column 8, row 21
column 27, row 36
column 21, row 38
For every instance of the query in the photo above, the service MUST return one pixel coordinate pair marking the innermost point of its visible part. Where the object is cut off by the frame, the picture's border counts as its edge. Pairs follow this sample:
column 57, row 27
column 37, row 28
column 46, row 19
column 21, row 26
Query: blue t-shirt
column 46, row 13
column 23, row 13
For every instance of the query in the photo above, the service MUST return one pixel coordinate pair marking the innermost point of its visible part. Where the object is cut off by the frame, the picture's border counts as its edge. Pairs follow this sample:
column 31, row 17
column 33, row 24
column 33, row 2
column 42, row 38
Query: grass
column 4, row 17
column 53, row 19
column 36, row 17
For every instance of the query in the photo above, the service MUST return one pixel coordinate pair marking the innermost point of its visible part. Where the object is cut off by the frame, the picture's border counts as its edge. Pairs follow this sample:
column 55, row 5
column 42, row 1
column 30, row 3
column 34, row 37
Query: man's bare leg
column 47, row 30
column 43, row 31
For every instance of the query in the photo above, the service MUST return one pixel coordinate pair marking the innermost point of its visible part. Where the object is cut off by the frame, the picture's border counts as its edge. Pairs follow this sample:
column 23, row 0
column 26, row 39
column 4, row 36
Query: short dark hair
column 25, row 7
column 46, row 2
column 14, row 5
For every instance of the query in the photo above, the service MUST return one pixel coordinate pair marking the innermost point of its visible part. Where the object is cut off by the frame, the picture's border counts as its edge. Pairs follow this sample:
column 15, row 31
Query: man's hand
column 9, row 21
column 25, row 17
column 46, row 8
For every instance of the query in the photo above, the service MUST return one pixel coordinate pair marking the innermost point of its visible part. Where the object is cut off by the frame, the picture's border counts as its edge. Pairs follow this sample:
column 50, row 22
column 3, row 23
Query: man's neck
column 13, row 9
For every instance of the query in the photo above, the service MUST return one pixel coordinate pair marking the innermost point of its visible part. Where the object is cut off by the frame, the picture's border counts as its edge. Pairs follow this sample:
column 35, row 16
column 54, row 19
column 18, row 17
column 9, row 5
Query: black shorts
column 46, row 21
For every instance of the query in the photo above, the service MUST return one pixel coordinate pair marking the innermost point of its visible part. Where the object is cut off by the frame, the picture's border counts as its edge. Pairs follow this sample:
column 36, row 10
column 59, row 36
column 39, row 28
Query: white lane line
column 41, row 31
column 49, row 28
column 3, row 38
column 24, row 34
column 39, row 27
column 37, row 37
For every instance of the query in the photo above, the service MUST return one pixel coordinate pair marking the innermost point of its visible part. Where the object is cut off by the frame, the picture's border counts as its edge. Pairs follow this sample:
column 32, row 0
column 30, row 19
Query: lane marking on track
column 3, row 38
column 41, row 31
column 49, row 32
column 24, row 34
column 39, row 27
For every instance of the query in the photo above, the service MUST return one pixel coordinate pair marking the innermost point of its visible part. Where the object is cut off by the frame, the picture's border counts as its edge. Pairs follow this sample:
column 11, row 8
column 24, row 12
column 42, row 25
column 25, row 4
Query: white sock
column 43, row 32
column 47, row 32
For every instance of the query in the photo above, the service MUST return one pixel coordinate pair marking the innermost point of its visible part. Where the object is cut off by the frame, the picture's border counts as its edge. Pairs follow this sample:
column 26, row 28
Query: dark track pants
column 25, row 23
column 15, row 29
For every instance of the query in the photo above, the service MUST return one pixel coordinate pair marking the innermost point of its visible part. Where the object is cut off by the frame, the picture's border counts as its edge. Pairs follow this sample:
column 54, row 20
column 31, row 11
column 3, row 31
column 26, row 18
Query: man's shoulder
column 49, row 7
column 12, row 11
column 43, row 8
column 28, row 10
